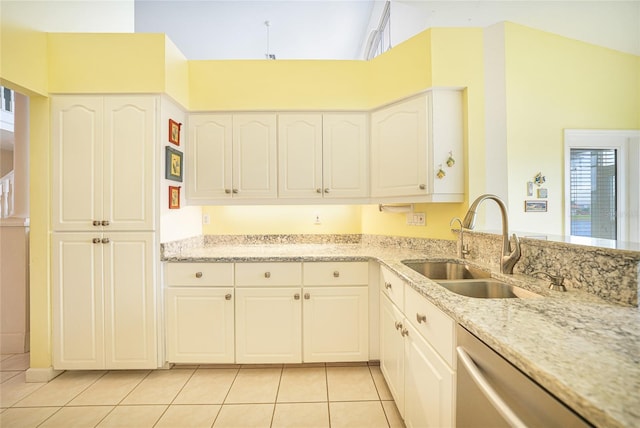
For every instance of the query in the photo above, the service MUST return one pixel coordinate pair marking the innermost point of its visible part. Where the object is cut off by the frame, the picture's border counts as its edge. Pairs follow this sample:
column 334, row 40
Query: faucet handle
column 557, row 281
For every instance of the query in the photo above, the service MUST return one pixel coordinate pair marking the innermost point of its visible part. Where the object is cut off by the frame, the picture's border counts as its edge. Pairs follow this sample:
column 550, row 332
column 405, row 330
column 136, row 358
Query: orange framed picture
column 174, row 132
column 174, row 197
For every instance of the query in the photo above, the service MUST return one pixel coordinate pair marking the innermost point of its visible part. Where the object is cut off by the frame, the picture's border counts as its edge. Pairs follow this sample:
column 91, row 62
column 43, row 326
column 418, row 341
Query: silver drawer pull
column 96, row 240
column 421, row 318
column 198, row 274
column 105, row 240
column 404, row 332
column 227, row 296
column 387, row 285
column 336, row 274
column 398, row 325
column 267, row 274
column 307, row 296
column 422, row 187
column 318, row 190
column 96, row 222
column 227, row 191
column 296, row 296
column 105, row 223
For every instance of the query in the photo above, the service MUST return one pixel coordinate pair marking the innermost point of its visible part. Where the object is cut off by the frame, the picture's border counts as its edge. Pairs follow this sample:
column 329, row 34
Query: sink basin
column 446, row 270
column 487, row 289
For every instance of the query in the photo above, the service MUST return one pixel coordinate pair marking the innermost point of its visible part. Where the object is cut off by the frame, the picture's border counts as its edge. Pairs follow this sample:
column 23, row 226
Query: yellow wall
column 23, row 59
column 278, row 85
column 277, row 219
column 554, row 83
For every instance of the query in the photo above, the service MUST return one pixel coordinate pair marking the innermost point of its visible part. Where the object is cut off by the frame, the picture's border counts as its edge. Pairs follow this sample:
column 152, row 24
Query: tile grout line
column 176, row 396
column 275, row 400
column 224, row 400
column 375, row 385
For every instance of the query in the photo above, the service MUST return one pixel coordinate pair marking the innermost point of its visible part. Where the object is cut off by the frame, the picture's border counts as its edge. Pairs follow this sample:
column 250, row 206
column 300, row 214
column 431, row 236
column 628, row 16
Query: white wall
column 187, row 221
column 88, row 16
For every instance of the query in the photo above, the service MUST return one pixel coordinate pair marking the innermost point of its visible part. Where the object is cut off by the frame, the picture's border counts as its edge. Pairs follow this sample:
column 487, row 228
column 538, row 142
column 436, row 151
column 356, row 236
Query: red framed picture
column 174, row 132
column 174, row 197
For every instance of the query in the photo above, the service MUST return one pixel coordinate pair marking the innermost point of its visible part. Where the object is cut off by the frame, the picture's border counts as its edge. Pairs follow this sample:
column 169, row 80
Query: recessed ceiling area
column 339, row 29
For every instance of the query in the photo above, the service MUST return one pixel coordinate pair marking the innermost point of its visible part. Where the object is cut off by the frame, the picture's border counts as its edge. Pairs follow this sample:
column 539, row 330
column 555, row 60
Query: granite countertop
column 582, row 349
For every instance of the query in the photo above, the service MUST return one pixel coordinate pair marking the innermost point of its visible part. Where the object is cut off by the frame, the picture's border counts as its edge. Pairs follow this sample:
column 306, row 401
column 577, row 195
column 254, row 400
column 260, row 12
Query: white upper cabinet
column 417, row 149
column 208, row 156
column 323, row 155
column 104, row 162
column 231, row 157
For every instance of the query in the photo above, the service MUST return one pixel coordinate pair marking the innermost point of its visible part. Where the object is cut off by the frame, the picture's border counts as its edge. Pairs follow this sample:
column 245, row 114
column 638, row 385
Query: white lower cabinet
column 267, row 312
column 200, row 326
column 268, row 326
column 420, row 379
column 104, row 314
column 335, row 324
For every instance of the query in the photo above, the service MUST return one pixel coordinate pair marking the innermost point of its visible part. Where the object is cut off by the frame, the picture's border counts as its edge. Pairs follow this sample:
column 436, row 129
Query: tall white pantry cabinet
column 105, row 168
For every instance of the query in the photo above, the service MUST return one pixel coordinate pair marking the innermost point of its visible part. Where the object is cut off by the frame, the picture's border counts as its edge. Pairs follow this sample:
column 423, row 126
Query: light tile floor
column 299, row 396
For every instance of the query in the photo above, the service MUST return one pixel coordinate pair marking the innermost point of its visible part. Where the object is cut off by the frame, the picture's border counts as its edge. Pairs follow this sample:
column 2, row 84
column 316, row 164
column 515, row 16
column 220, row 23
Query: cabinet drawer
column 392, row 286
column 336, row 273
column 277, row 274
column 199, row 274
column 433, row 324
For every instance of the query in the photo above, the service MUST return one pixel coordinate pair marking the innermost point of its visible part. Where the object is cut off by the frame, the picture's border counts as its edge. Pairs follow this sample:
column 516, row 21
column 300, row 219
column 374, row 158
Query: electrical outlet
column 316, row 219
column 419, row 219
column 206, row 219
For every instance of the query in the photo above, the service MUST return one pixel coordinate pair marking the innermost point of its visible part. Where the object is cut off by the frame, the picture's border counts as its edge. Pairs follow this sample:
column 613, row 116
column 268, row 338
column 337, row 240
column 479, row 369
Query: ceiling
column 297, row 29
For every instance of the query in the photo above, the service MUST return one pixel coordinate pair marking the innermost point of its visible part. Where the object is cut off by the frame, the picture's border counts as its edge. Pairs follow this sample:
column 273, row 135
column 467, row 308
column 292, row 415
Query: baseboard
column 13, row 343
column 37, row 375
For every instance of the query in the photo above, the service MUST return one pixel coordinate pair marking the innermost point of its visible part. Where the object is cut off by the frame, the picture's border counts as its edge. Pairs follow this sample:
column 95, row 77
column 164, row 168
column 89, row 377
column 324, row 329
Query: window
column 7, row 99
column 601, row 184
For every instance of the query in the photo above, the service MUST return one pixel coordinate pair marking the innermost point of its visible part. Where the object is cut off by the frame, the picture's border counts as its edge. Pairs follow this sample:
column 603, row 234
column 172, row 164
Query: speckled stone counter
column 584, row 350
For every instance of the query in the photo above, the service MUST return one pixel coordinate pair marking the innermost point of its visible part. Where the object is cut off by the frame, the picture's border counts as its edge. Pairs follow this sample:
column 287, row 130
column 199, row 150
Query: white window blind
column 593, row 190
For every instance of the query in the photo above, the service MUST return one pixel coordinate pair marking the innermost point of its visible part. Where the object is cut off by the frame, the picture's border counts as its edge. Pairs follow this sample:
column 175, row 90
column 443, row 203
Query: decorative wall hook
column 539, row 179
column 451, row 161
column 440, row 174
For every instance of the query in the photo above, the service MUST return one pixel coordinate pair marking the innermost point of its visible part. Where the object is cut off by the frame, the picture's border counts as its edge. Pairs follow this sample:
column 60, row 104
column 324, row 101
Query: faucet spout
column 509, row 257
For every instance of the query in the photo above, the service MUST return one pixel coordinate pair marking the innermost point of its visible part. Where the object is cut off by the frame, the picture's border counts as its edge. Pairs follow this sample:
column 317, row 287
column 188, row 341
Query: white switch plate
column 206, row 219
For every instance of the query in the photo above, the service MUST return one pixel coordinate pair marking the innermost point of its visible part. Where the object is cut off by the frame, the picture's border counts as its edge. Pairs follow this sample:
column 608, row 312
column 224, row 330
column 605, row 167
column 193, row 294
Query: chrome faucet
column 509, row 258
column 463, row 250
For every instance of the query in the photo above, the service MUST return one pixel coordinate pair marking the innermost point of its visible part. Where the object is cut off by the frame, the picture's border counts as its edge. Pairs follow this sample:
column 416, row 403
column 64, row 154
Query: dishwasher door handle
column 493, row 397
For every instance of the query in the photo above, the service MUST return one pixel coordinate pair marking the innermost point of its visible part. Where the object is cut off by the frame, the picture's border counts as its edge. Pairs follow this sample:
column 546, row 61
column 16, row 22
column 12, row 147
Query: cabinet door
column 336, row 324
column 254, row 156
column 429, row 385
column 392, row 350
column 209, row 157
column 345, row 155
column 268, row 325
column 300, row 156
column 129, row 162
column 78, row 340
column 200, row 325
column 77, row 141
column 399, row 149
column 129, row 301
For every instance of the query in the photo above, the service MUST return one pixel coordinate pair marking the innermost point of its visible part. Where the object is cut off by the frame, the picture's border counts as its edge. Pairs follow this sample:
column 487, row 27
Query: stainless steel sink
column 446, row 270
column 487, row 289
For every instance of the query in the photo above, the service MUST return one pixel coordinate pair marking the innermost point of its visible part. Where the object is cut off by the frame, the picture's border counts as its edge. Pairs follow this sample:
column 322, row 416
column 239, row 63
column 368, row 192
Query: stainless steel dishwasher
column 491, row 392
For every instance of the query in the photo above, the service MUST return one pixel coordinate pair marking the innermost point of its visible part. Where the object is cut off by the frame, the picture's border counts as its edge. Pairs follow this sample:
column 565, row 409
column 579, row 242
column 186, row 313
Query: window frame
column 627, row 179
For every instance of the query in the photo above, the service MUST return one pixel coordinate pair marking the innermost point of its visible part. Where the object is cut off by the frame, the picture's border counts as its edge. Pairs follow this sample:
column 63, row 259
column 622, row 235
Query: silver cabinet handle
column 97, row 222
column 422, row 186
column 267, row 274
column 198, row 274
column 398, row 325
column 307, row 296
column 105, row 240
column 227, row 296
column 387, row 285
column 318, row 190
column 105, row 222
column 404, row 332
column 96, row 240
column 296, row 296
column 421, row 318
column 487, row 390
column 336, row 274
column 227, row 191
column 234, row 191
column 326, row 190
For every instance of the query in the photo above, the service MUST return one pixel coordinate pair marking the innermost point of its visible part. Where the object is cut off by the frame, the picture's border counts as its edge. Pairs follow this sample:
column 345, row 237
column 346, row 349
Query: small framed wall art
column 173, row 164
column 174, row 132
column 174, row 197
column 535, row 206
